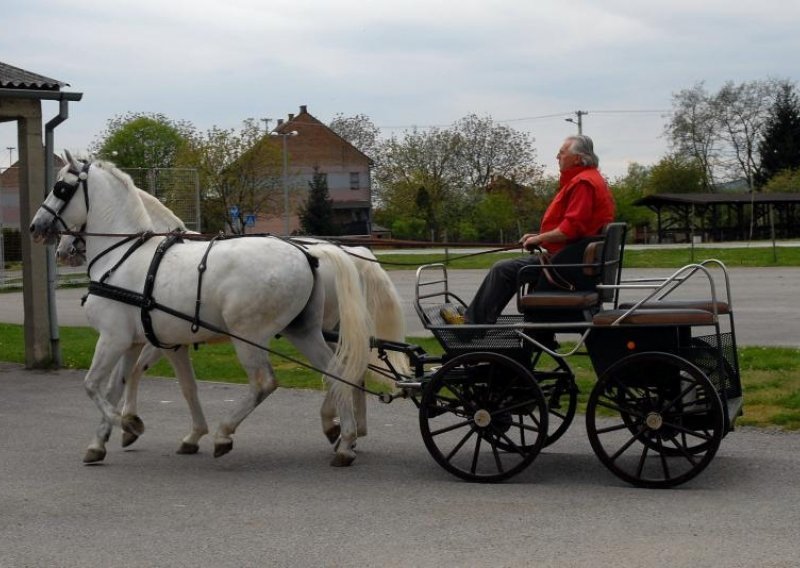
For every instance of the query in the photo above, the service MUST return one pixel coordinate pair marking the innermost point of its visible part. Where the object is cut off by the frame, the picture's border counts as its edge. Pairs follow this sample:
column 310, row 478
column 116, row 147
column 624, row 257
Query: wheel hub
column 482, row 418
column 654, row 421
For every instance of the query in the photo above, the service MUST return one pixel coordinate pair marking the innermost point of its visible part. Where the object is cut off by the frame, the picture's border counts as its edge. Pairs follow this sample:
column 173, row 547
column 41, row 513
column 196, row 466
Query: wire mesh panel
column 177, row 188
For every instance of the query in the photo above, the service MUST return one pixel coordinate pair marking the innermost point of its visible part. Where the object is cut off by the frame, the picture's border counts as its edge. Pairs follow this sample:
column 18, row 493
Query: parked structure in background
column 347, row 170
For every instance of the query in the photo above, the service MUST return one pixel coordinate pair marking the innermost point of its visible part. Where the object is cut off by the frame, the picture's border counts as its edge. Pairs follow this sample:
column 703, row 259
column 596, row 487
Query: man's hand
column 530, row 241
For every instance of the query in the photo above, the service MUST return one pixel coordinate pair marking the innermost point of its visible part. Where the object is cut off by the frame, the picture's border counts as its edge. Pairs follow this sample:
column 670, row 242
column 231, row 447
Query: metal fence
column 177, row 188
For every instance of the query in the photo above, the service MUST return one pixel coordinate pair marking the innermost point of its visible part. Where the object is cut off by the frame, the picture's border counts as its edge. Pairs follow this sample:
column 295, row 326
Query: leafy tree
column 675, row 174
column 239, row 168
column 358, row 130
column 316, row 216
column 142, row 140
column 627, row 190
column 455, row 166
column 494, row 217
column 779, row 147
column 785, row 181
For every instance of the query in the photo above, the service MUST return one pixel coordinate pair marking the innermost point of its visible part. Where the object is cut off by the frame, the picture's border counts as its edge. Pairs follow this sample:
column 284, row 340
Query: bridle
column 66, row 191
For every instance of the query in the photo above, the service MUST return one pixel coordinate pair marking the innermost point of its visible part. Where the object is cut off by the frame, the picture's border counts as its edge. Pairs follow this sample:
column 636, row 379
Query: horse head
column 59, row 210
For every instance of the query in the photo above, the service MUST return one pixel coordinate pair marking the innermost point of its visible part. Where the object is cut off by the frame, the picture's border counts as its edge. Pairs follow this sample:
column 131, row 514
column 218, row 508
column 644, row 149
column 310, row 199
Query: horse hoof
column 94, row 455
column 133, row 424
column 342, row 460
column 333, row 433
column 188, row 449
column 222, row 448
column 128, row 439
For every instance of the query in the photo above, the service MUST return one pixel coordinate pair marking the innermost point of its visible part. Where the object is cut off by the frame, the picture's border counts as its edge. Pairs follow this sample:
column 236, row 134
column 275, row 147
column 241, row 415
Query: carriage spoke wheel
column 654, row 420
column 557, row 382
column 483, row 417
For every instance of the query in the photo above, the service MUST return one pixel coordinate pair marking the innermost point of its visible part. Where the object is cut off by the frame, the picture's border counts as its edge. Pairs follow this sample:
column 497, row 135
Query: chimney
column 280, row 121
column 303, row 108
column 291, row 116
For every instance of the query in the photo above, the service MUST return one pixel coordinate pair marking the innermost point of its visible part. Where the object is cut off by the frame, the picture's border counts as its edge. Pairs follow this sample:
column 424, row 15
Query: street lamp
column 285, row 180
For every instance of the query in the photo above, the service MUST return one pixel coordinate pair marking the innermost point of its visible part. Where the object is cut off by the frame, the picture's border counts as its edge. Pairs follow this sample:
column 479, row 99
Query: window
column 354, row 180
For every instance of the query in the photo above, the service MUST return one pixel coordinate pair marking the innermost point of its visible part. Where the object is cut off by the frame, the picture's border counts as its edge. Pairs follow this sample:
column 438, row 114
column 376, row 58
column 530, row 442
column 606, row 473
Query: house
column 316, row 147
column 9, row 193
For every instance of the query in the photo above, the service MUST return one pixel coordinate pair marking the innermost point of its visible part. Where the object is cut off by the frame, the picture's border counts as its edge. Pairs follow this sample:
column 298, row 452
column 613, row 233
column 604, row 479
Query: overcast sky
column 529, row 64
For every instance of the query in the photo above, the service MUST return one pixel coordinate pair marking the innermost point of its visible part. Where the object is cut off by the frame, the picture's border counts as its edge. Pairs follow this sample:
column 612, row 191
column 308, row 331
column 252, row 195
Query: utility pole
column 266, row 122
column 10, row 149
column 580, row 114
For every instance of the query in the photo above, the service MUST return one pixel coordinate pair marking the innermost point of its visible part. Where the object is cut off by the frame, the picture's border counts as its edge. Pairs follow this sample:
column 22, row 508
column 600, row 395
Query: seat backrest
column 611, row 263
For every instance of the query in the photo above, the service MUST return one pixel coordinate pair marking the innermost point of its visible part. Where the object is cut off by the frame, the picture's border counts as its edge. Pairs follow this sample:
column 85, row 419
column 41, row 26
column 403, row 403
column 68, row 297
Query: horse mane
column 161, row 215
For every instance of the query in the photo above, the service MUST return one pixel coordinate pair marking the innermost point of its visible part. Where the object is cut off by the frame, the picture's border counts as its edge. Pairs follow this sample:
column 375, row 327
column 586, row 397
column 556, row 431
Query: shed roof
column 667, row 199
column 15, row 78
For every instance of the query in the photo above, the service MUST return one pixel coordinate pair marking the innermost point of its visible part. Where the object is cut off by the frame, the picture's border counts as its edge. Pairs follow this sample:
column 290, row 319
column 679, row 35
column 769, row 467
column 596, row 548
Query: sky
column 528, row 64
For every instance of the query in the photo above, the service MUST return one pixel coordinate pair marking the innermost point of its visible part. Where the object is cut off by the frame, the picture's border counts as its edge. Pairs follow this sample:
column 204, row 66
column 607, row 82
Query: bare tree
column 358, row 130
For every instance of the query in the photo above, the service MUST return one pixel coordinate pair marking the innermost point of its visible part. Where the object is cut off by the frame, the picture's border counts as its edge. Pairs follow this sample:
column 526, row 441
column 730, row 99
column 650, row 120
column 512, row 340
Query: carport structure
column 725, row 216
column 21, row 96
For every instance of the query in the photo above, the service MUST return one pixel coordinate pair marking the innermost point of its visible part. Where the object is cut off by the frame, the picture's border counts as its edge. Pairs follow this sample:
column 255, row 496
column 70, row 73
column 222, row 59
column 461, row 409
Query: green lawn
column 770, row 375
column 650, row 258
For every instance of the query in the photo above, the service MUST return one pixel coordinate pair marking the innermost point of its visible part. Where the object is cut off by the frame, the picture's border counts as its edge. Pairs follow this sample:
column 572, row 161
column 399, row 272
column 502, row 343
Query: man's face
column 566, row 159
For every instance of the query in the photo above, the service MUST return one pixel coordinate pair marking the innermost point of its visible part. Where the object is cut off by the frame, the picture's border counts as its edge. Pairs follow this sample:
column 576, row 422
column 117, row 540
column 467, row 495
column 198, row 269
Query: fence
column 177, row 188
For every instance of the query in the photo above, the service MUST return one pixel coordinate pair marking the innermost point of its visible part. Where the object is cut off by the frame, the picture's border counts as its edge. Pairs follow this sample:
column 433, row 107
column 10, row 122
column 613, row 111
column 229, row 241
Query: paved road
column 765, row 301
column 274, row 501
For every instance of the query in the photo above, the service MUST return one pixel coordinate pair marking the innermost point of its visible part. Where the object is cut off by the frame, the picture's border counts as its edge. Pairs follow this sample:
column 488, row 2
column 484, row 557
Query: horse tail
column 355, row 323
column 383, row 302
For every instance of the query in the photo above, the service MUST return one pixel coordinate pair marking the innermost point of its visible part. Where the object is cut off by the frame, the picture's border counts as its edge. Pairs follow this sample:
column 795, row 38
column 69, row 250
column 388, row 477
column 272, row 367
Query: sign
column 234, row 211
column 250, row 220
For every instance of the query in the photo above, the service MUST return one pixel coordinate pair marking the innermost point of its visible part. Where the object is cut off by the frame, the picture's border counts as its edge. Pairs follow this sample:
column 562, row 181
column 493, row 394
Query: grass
column 650, row 258
column 770, row 375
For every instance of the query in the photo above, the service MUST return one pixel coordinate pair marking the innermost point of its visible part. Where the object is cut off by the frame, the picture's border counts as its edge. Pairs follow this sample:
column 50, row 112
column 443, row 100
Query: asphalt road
column 274, row 501
column 765, row 301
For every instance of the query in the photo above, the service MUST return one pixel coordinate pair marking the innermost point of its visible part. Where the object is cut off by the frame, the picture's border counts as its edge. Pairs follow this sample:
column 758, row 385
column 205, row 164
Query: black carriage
column 668, row 387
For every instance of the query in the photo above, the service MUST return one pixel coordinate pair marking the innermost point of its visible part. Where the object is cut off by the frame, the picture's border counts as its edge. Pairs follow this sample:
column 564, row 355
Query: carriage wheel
column 483, row 417
column 560, row 392
column 666, row 420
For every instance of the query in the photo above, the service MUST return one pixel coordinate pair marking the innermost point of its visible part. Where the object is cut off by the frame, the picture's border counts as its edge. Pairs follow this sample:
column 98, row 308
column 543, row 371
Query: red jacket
column 581, row 207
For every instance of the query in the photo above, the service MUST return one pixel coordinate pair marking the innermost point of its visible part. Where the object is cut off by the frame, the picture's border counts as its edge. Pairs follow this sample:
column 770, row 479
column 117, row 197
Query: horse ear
column 72, row 161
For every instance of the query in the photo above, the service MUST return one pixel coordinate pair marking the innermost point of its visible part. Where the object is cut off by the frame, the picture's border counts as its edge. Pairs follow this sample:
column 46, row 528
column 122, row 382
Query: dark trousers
column 500, row 284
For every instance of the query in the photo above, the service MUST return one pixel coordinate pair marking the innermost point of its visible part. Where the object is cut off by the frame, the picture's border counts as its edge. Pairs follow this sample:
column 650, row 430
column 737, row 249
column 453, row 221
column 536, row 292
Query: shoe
column 452, row 315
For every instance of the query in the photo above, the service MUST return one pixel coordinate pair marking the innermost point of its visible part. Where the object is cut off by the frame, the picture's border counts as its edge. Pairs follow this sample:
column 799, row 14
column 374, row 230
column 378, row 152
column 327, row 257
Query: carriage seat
column 656, row 317
column 601, row 263
column 707, row 305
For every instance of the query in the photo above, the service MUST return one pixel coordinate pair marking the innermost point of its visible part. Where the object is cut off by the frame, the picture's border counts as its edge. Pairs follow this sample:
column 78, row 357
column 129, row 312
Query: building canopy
column 724, row 216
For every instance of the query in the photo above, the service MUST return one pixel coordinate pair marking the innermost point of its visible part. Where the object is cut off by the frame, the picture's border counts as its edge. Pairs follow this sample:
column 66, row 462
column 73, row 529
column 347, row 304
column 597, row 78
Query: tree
column 629, row 189
column 785, row 181
column 142, row 140
column 358, row 130
column 693, row 130
column 721, row 130
column 779, row 147
column 455, row 166
column 316, row 216
column 675, row 174
column 487, row 150
column 237, row 168
column 742, row 111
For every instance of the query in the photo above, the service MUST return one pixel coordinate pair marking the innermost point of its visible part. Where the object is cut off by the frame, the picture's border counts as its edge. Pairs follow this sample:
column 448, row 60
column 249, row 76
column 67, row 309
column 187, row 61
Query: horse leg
column 133, row 427
column 183, row 370
column 114, row 387
column 262, row 384
column 339, row 399
column 106, row 356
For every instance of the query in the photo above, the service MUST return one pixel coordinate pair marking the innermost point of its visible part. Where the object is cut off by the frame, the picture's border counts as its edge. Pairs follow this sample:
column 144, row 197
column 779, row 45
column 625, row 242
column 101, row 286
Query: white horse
column 383, row 303
column 253, row 289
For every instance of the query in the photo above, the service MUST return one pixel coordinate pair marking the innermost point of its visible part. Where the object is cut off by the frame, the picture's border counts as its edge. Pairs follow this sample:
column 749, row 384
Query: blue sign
column 234, row 211
column 250, row 220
